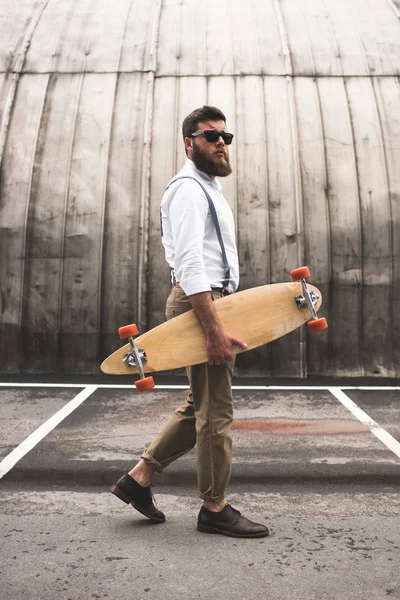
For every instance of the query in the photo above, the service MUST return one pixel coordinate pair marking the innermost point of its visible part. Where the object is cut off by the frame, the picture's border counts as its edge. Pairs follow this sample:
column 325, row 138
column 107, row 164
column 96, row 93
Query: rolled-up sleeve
column 188, row 209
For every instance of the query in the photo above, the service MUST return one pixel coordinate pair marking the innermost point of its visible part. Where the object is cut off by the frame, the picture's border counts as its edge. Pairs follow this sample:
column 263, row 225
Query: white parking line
column 380, row 388
column 388, row 440
column 31, row 441
column 43, row 385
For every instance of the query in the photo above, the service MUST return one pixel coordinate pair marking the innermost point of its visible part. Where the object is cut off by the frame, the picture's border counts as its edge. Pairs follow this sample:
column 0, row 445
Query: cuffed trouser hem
column 214, row 500
column 153, row 462
column 150, row 460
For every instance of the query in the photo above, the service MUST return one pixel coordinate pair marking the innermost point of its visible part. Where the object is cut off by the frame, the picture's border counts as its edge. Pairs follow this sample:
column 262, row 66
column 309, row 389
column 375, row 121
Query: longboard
column 256, row 316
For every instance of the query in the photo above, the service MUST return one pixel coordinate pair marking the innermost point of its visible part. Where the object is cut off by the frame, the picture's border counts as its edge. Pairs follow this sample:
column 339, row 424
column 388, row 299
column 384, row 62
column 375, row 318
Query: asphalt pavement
column 319, row 472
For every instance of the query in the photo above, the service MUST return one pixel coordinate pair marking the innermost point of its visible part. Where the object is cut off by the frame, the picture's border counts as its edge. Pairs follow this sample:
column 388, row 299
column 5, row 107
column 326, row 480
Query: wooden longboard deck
column 256, row 316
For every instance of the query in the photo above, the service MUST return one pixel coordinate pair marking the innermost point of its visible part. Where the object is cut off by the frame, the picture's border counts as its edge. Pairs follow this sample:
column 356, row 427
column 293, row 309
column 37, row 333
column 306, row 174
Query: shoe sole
column 122, row 496
column 205, row 529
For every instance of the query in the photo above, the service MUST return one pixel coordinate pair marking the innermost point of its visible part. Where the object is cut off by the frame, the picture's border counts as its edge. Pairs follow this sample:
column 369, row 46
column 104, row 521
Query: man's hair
column 205, row 113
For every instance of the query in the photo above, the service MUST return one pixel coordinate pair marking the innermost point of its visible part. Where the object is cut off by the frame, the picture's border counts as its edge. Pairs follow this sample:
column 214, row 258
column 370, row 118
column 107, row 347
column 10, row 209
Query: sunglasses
column 212, row 136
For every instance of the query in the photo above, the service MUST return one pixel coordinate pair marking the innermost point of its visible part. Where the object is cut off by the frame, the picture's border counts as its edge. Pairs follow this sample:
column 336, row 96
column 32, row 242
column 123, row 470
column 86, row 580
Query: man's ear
column 188, row 144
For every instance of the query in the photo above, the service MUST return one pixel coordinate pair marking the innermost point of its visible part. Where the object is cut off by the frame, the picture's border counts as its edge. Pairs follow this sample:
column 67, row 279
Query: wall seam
column 65, row 212
column 394, row 8
column 296, row 165
column 361, row 255
column 142, row 284
column 196, row 75
column 99, row 331
column 379, row 25
column 118, row 61
column 17, row 71
column 326, row 172
column 101, row 292
column 62, row 28
column 390, row 231
column 26, row 220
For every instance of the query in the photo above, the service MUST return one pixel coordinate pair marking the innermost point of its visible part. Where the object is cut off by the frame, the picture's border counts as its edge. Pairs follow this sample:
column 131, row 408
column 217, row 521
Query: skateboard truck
column 308, row 299
column 136, row 357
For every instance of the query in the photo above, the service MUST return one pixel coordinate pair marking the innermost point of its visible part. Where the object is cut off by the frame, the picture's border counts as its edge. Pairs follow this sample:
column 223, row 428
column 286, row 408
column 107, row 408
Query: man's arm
column 219, row 343
column 188, row 212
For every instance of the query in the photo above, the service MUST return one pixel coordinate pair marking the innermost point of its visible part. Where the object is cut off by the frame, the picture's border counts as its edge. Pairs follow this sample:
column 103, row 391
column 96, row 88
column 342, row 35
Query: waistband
column 221, row 290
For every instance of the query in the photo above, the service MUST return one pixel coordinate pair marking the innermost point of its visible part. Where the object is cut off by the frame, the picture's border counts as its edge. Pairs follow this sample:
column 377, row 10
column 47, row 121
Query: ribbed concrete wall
column 92, row 95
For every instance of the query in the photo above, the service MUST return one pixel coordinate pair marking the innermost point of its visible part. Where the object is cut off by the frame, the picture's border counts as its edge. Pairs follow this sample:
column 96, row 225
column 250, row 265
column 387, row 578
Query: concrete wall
column 92, row 96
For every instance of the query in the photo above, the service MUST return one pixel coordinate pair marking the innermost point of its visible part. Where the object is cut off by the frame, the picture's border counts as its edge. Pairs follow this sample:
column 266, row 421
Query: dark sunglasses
column 212, row 136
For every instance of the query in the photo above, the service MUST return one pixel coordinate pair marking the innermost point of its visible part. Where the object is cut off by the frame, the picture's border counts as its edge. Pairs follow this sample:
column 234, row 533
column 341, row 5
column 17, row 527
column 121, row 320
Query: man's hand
column 219, row 342
column 219, row 347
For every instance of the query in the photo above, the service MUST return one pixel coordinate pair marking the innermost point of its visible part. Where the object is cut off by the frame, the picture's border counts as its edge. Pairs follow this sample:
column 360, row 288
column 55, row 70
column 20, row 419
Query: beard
column 213, row 165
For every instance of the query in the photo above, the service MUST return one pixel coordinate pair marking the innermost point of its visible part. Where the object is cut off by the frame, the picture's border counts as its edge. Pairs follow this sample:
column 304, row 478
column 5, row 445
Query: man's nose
column 220, row 141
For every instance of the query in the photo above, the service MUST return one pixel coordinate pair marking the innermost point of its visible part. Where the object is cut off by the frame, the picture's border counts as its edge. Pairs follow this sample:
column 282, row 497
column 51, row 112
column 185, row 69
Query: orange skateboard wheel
column 145, row 384
column 300, row 273
column 317, row 325
column 127, row 331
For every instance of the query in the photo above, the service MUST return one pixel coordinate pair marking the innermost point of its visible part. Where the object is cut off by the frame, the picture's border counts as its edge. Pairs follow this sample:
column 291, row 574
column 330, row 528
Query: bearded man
column 204, row 267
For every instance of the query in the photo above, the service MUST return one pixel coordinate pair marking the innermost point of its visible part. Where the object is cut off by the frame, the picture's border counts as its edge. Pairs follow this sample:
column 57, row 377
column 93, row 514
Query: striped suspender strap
column 217, row 228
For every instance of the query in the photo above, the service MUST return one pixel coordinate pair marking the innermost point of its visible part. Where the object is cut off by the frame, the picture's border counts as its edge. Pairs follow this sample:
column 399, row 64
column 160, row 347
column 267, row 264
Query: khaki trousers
column 205, row 419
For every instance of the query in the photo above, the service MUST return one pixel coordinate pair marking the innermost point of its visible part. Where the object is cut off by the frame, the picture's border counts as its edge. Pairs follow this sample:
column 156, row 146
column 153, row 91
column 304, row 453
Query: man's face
column 211, row 158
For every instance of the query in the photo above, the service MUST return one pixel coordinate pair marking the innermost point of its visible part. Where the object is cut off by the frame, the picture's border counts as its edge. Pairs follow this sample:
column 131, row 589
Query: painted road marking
column 378, row 388
column 44, row 385
column 31, row 441
column 388, row 440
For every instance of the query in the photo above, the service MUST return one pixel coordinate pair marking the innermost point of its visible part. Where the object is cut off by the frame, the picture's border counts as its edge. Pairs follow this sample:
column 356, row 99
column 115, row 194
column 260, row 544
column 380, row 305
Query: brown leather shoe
column 230, row 522
column 141, row 498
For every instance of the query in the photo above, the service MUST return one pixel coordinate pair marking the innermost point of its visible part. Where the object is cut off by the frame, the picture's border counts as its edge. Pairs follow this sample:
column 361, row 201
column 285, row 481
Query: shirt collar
column 201, row 175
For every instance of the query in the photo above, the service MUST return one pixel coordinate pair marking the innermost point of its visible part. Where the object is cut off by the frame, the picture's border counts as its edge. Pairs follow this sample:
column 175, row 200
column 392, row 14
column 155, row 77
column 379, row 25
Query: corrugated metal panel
column 46, row 231
column 253, row 215
column 122, row 250
column 316, row 221
column 387, row 94
column 359, row 37
column 349, row 38
column 345, row 227
column 93, row 36
column 92, row 96
column 85, row 206
column 163, row 160
column 375, row 227
column 16, row 186
column 15, row 21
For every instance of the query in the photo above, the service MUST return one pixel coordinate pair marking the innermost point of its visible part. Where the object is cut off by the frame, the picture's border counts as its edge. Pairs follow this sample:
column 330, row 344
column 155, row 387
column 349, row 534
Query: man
column 200, row 274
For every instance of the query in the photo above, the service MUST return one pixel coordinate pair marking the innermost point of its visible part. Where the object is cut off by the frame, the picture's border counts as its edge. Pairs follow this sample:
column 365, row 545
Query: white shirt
column 192, row 249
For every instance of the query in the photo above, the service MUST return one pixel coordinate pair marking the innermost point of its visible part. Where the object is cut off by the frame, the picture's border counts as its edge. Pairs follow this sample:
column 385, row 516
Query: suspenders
column 217, row 228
